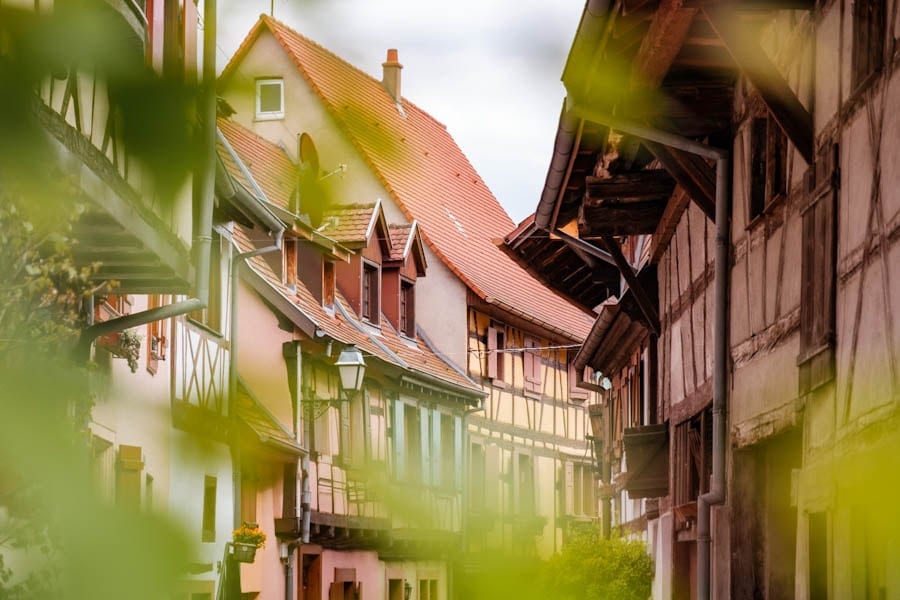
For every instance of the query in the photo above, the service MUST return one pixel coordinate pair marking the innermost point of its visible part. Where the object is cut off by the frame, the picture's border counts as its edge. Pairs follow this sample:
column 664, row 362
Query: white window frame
column 269, row 115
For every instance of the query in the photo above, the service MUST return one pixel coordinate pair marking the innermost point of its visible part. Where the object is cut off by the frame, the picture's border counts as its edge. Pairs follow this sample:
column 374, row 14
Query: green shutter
column 457, row 452
column 436, row 475
column 345, row 451
column 399, row 442
column 425, row 445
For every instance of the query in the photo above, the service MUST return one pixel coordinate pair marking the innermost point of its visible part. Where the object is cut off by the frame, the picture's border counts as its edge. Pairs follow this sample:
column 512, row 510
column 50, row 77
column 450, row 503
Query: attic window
column 269, row 99
column 407, row 308
column 328, row 284
column 370, row 293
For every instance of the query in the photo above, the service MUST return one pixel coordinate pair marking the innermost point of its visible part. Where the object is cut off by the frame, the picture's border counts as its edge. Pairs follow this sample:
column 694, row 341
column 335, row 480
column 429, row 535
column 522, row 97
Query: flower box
column 245, row 553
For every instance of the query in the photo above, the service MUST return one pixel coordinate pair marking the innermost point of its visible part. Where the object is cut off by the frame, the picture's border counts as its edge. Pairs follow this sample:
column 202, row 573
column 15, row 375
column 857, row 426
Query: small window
column 448, row 452
column 428, row 589
column 209, row 510
column 407, row 309
column 868, row 39
column 768, row 159
column 327, row 284
column 370, row 293
column 526, row 485
column 269, row 99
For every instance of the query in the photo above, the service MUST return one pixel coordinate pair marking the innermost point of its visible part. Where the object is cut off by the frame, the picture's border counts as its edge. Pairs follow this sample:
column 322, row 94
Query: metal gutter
column 593, row 26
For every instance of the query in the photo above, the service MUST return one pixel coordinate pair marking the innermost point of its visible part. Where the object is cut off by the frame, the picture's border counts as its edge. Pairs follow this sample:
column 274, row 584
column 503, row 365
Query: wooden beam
column 751, row 59
column 617, row 217
column 638, row 184
column 662, row 43
column 676, row 206
column 646, row 304
column 691, row 172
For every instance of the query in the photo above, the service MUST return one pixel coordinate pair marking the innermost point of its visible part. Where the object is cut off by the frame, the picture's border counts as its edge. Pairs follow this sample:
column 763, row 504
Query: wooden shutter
column 491, row 476
column 492, row 352
column 569, row 488
column 532, row 363
column 345, row 451
column 817, row 290
column 424, row 445
column 128, row 476
column 208, row 526
column 399, row 442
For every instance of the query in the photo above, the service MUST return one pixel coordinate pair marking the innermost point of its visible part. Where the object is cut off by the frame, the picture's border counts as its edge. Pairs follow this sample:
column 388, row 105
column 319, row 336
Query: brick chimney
column 391, row 78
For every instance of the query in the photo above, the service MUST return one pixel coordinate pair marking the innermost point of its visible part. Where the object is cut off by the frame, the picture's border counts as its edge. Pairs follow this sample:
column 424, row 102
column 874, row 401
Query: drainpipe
column 288, row 561
column 716, row 494
column 236, row 262
column 203, row 238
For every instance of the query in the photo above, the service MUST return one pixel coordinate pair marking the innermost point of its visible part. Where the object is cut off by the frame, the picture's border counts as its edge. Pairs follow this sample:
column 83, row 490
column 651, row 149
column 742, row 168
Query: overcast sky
column 488, row 69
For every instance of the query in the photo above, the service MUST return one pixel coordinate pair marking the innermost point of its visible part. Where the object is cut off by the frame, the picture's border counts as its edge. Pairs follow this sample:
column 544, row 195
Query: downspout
column 236, row 262
column 203, row 239
column 716, row 494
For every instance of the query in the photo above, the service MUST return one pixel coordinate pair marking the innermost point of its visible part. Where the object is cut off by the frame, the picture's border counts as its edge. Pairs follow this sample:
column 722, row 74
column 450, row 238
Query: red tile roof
column 348, row 224
column 400, row 235
column 429, row 177
column 268, row 164
column 342, row 326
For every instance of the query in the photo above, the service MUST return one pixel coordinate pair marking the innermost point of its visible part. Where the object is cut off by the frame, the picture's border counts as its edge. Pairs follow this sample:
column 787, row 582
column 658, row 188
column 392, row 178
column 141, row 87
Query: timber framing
column 644, row 300
column 782, row 102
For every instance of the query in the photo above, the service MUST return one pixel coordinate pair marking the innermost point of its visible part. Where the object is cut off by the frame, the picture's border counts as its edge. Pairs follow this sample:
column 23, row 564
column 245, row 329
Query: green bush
column 591, row 567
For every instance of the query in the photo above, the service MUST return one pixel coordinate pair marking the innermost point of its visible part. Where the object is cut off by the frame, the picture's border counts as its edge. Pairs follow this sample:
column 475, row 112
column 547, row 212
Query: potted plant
column 129, row 348
column 246, row 540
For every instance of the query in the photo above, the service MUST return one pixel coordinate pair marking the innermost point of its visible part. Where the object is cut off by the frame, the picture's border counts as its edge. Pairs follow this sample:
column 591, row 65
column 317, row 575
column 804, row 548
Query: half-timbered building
column 728, row 160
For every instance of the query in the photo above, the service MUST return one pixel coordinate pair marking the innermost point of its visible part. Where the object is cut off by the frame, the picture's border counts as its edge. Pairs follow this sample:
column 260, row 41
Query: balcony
column 200, row 399
column 140, row 236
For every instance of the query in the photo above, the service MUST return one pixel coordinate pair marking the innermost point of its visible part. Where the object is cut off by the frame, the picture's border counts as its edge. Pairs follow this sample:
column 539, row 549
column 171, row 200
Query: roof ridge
column 405, row 101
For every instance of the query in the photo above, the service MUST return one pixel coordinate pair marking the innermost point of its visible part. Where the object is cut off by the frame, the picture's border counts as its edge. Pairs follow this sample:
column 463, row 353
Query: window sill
column 771, row 206
column 271, row 117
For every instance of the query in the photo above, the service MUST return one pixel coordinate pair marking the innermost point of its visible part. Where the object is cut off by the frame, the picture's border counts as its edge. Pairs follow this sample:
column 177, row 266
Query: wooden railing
column 75, row 108
column 201, row 368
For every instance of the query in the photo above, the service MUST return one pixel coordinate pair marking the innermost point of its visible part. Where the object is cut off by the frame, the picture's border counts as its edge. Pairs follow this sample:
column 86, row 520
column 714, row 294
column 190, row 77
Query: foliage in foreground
column 593, row 568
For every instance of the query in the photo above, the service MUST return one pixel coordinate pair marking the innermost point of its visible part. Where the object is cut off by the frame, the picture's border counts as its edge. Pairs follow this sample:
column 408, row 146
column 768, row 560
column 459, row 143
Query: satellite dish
column 312, row 198
column 309, row 156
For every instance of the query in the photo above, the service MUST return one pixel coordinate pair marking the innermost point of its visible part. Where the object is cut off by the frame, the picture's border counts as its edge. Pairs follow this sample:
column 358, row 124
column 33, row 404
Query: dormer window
column 269, row 99
column 407, row 308
column 370, row 292
column 328, row 284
